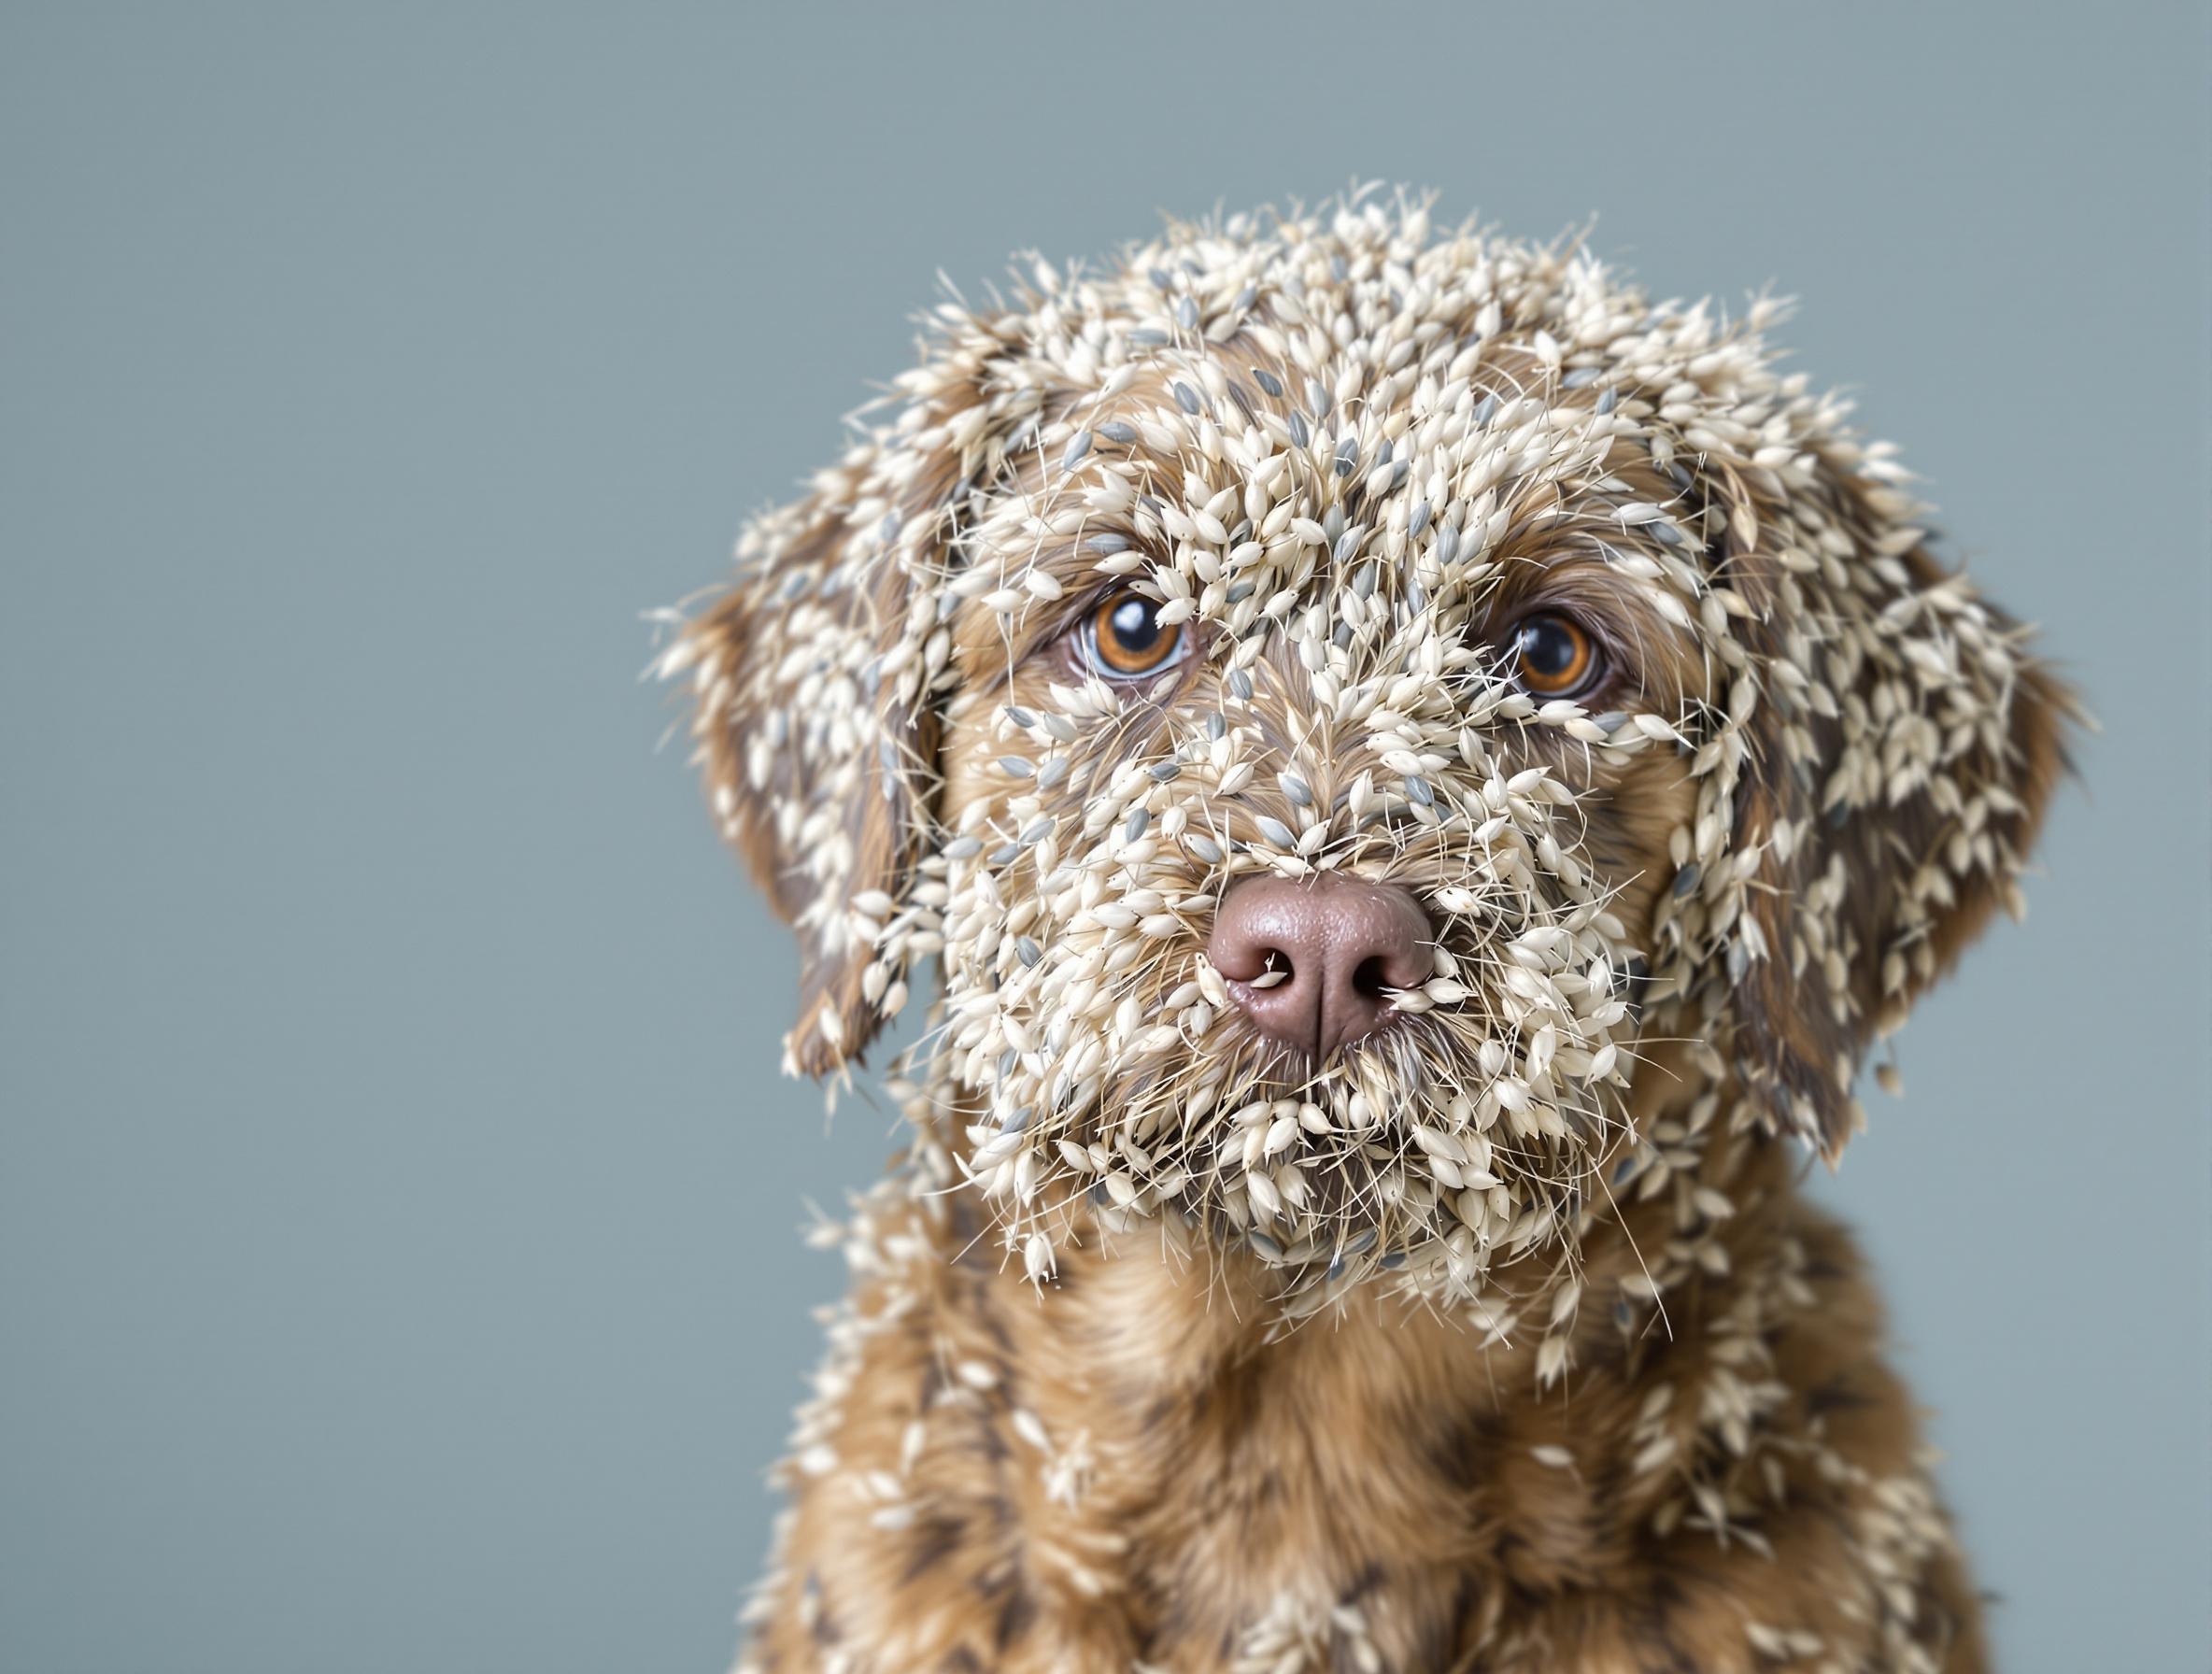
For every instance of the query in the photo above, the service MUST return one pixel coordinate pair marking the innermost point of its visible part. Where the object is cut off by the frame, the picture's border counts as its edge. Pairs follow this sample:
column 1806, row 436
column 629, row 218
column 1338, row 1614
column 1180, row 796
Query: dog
column 1415, row 775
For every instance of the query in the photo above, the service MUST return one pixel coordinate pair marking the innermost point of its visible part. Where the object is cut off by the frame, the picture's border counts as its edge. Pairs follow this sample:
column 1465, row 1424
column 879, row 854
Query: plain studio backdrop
column 400, row 1256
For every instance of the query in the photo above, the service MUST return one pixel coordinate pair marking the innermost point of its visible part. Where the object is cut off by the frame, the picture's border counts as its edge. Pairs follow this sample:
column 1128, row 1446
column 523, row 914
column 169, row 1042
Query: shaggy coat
column 1503, row 1338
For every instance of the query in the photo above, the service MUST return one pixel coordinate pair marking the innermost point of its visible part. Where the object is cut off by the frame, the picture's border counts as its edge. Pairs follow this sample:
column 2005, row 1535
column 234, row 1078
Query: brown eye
column 1123, row 639
column 1554, row 657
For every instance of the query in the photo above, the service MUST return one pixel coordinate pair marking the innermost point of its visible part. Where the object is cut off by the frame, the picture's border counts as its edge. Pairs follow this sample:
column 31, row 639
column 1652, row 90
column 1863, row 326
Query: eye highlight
column 1554, row 655
column 1123, row 638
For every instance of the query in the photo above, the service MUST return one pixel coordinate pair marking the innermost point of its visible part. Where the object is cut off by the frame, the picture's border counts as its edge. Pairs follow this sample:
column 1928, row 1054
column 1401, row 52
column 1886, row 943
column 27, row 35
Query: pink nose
column 1338, row 942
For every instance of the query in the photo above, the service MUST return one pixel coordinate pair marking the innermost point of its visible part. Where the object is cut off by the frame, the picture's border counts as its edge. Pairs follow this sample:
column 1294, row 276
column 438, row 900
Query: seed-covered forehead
column 1243, row 432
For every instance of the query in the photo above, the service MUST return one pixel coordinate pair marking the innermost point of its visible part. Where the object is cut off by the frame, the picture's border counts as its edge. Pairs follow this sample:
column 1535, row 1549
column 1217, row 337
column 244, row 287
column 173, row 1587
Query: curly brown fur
column 1502, row 1338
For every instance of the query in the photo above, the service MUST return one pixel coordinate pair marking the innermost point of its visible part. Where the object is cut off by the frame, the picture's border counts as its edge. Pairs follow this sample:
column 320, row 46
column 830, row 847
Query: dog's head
column 1328, row 693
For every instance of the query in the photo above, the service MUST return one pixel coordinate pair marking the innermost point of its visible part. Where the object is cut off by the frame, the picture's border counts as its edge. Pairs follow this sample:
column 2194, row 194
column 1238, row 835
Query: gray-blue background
column 398, row 1267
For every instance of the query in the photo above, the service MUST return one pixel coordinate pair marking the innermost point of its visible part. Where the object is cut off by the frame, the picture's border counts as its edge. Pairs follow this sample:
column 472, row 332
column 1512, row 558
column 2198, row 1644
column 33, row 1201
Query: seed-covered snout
column 1310, row 959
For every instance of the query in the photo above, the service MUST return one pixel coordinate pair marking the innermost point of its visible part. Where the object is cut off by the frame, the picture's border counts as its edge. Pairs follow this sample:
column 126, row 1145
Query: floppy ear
column 813, row 777
column 816, row 679
column 1897, row 757
column 812, row 679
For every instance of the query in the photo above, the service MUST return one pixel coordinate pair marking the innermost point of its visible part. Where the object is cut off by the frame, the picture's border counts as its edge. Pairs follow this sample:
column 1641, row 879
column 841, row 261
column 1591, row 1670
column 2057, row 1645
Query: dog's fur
column 1505, row 1339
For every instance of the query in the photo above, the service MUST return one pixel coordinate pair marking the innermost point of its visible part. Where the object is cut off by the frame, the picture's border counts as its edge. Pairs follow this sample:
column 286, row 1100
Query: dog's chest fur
column 1138, row 1469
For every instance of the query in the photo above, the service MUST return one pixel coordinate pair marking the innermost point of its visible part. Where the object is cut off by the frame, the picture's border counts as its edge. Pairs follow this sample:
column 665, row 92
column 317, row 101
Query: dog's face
column 1329, row 695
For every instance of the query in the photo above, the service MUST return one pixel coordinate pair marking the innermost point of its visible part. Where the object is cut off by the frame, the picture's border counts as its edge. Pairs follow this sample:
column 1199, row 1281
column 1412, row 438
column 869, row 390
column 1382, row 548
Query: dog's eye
column 1554, row 655
column 1123, row 639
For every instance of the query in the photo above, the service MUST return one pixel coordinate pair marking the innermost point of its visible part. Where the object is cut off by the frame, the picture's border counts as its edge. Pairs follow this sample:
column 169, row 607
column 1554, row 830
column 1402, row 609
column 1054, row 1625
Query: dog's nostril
column 1370, row 979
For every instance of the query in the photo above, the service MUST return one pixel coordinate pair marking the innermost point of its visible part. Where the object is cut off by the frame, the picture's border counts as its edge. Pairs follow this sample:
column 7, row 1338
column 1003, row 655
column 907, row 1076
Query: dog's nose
column 1308, row 959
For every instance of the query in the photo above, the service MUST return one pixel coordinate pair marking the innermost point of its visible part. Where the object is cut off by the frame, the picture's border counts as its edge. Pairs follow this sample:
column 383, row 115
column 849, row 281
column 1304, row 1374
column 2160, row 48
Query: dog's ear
column 1899, row 752
column 813, row 683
